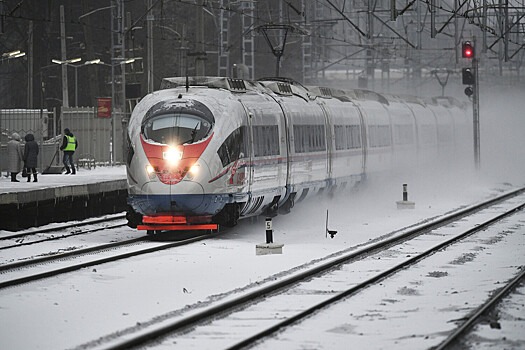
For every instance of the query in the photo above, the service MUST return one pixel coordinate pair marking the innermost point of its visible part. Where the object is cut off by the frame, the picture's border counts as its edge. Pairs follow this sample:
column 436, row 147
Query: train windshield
column 176, row 128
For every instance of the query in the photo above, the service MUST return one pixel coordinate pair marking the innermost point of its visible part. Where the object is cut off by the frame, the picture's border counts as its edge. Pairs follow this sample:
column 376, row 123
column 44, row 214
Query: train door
column 269, row 173
column 329, row 141
column 287, row 200
column 248, row 139
column 285, row 143
column 364, row 138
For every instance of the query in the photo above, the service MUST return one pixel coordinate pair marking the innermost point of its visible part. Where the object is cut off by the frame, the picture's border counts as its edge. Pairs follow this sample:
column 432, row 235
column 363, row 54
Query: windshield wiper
column 193, row 134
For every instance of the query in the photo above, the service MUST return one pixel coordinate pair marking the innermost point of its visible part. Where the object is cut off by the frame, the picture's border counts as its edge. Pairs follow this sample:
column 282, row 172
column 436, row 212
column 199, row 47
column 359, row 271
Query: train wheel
column 150, row 233
column 133, row 217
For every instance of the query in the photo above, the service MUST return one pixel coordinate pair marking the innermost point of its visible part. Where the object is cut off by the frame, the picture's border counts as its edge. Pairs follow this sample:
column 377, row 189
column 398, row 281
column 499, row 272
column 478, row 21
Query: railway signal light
column 467, row 50
column 468, row 76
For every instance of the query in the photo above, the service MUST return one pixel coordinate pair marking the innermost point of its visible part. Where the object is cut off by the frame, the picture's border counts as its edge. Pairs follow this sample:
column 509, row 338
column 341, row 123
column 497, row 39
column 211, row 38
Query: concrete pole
column 200, row 57
column 114, row 12
column 475, row 112
column 76, row 85
column 123, row 72
column 30, row 65
column 65, row 97
column 150, row 19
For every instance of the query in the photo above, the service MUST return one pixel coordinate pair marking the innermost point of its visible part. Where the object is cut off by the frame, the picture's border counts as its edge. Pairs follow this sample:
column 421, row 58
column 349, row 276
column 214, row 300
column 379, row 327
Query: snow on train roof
column 284, row 86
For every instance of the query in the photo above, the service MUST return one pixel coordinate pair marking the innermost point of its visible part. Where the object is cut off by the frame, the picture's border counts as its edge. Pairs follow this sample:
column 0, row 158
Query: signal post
column 470, row 77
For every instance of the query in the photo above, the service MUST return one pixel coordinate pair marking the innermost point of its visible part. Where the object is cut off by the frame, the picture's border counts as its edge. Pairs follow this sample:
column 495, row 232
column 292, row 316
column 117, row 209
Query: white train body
column 220, row 149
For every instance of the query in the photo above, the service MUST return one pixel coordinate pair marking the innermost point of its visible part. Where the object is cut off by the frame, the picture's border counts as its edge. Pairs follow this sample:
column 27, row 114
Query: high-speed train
column 208, row 151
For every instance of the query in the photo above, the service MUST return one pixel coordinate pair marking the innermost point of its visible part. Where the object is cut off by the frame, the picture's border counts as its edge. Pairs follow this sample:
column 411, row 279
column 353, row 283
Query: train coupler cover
column 173, row 223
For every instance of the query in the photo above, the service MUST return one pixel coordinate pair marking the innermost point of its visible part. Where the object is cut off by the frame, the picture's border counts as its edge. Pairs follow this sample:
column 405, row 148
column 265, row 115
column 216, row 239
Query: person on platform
column 31, row 156
column 14, row 152
column 69, row 145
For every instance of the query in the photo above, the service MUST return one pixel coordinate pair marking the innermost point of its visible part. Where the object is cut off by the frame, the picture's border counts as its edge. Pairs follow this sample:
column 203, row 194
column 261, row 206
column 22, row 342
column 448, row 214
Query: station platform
column 60, row 197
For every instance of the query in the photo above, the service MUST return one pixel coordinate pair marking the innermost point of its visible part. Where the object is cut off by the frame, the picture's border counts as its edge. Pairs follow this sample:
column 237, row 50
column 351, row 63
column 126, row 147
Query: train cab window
column 234, row 147
column 176, row 128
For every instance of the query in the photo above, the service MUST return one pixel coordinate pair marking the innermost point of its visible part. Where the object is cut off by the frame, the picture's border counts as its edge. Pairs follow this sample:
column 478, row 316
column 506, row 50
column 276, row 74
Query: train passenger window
column 347, row 137
column 354, row 135
column 445, row 133
column 266, row 140
column 428, row 134
column 379, row 135
column 404, row 134
column 234, row 147
column 298, row 137
column 176, row 128
column 309, row 138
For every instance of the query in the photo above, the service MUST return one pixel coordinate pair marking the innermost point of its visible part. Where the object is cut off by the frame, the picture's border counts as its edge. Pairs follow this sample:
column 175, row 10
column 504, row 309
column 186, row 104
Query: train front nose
column 186, row 197
column 173, row 135
column 175, row 186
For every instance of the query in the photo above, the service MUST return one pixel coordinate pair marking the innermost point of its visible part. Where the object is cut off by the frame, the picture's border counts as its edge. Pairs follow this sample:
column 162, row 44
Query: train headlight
column 150, row 170
column 172, row 155
column 194, row 171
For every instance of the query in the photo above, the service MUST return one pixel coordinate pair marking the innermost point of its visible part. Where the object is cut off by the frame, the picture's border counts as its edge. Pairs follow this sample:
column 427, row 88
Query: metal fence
column 40, row 123
column 93, row 135
column 25, row 121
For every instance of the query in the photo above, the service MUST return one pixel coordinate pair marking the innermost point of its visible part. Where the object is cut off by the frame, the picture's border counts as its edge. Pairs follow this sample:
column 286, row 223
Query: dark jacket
column 65, row 141
column 30, row 152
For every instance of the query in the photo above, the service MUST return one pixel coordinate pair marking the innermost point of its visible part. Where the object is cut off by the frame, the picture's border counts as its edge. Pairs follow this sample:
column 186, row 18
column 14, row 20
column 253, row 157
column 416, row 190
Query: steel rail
column 377, row 278
column 51, row 273
column 63, row 227
column 480, row 311
column 62, row 236
column 227, row 307
column 58, row 256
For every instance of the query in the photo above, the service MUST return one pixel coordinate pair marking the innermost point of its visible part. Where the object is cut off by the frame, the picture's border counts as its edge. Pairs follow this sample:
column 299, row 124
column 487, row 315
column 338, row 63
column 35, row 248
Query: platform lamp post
column 42, row 91
column 64, row 77
column 4, row 57
column 122, row 64
column 76, row 66
column 12, row 54
column 122, row 101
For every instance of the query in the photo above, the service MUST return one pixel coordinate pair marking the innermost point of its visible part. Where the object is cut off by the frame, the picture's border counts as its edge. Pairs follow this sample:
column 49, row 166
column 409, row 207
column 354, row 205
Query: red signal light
column 467, row 50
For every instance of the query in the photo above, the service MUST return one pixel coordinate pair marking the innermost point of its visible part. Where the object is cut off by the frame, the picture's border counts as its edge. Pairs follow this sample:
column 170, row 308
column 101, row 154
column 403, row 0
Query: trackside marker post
column 329, row 232
column 269, row 230
column 269, row 247
column 405, row 203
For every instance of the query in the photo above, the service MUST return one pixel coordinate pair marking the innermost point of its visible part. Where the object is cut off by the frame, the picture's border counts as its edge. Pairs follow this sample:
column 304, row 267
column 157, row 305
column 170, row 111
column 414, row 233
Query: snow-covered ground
column 73, row 309
column 83, row 176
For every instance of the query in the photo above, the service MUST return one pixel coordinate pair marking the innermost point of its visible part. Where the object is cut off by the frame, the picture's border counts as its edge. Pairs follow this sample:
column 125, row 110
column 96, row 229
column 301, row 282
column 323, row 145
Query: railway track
column 34, row 269
column 457, row 337
column 238, row 319
column 62, row 231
